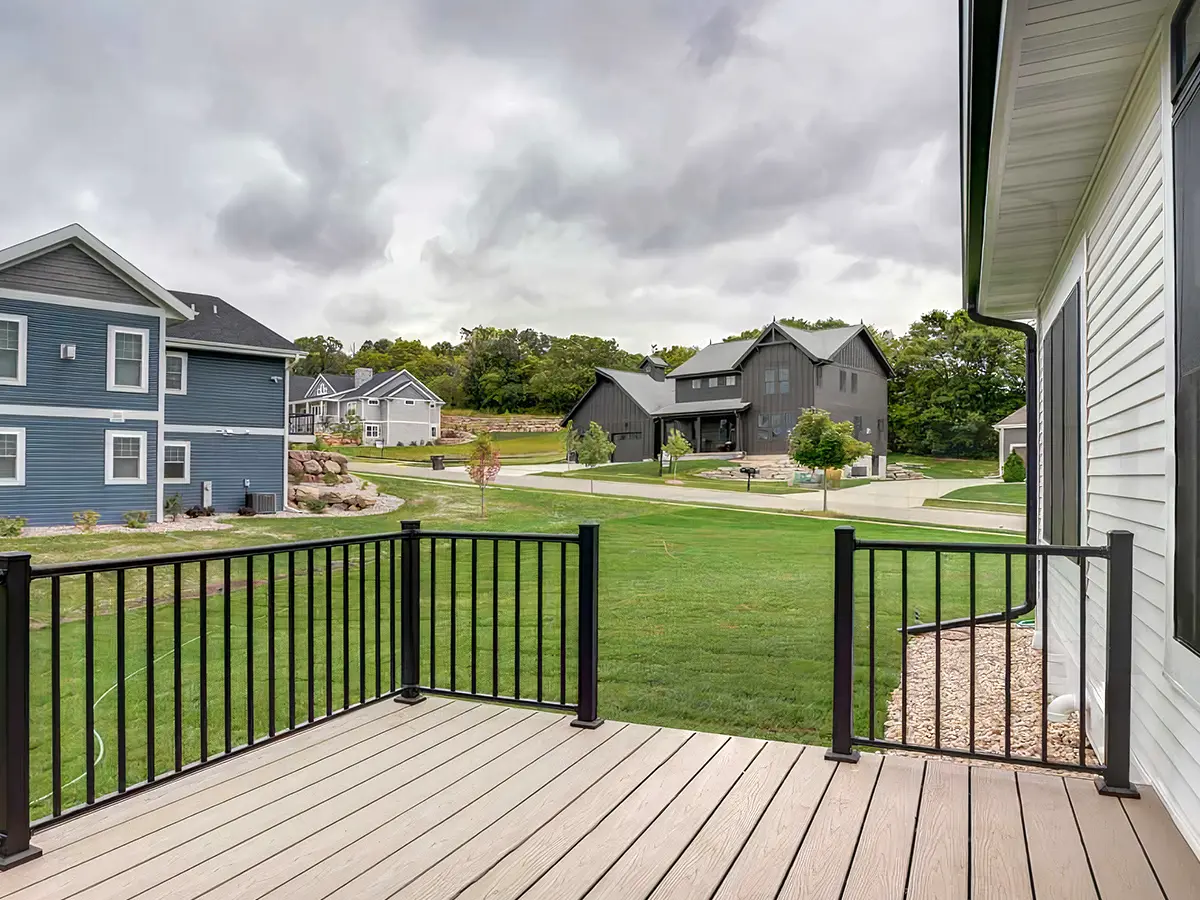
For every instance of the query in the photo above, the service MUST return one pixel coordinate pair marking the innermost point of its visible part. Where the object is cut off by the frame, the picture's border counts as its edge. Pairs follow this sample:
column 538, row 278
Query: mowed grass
column 516, row 448
column 688, row 473
column 991, row 493
column 719, row 620
column 935, row 467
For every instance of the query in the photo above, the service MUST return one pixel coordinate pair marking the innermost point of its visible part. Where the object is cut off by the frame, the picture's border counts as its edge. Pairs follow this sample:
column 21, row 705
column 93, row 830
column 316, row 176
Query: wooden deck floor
column 456, row 799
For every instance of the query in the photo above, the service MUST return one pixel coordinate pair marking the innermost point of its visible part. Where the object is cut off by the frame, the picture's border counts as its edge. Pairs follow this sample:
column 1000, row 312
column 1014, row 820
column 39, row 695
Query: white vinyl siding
column 124, row 457
column 14, row 347
column 128, row 359
column 1128, row 437
column 12, row 457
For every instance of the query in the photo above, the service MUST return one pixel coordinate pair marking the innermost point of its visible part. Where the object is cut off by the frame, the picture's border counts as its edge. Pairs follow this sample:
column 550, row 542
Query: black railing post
column 14, row 711
column 410, row 612
column 1118, row 686
column 843, row 646
column 589, row 626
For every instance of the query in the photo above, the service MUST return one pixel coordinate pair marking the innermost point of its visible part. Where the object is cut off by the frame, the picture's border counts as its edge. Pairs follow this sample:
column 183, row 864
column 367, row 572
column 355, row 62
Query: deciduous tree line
column 954, row 378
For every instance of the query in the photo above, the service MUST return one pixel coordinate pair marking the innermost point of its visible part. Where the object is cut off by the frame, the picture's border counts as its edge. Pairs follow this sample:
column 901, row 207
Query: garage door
column 629, row 446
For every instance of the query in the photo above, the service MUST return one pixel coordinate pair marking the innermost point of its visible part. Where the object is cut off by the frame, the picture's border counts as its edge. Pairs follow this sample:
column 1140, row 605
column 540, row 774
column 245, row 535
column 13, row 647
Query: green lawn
column 516, row 448
column 688, row 471
column 711, row 619
column 947, row 468
column 991, row 493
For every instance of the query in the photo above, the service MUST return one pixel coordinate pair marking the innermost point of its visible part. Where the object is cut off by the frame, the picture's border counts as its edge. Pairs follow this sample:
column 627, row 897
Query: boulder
column 338, row 458
column 295, row 466
column 302, row 492
column 347, row 479
column 312, row 479
column 312, row 467
column 332, row 467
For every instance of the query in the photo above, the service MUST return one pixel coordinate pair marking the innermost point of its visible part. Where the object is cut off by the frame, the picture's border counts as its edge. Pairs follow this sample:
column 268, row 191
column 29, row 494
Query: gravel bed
column 203, row 523
column 1062, row 737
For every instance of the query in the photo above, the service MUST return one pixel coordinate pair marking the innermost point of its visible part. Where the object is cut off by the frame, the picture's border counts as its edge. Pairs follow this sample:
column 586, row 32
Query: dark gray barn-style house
column 744, row 395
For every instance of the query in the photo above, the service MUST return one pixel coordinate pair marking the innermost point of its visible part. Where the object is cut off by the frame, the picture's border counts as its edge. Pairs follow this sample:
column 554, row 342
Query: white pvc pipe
column 1061, row 707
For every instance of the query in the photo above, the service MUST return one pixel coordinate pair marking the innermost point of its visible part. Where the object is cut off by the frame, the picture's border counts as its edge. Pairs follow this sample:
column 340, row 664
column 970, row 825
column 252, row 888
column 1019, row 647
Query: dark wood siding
column 70, row 272
column 684, row 391
column 614, row 411
column 1060, row 402
column 857, row 354
column 772, row 416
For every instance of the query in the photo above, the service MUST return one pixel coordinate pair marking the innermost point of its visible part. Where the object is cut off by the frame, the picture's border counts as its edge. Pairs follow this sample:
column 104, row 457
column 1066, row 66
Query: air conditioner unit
column 261, row 503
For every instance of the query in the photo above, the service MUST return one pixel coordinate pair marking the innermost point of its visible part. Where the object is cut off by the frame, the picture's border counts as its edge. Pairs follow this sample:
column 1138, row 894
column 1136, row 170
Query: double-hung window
column 696, row 382
column 784, row 383
column 12, row 457
column 124, row 457
column 769, row 381
column 854, row 382
column 713, row 381
column 730, row 380
column 128, row 359
column 14, row 337
column 177, row 462
column 842, row 380
column 177, row 373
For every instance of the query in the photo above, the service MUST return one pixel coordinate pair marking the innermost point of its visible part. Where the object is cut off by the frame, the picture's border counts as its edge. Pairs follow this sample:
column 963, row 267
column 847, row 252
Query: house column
column 698, row 434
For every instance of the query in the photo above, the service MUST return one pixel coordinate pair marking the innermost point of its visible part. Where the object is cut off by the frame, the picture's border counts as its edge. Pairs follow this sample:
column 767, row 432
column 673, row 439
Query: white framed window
column 730, row 380
column 372, row 403
column 695, row 384
column 713, row 381
column 352, row 406
column 177, row 372
column 14, row 346
column 177, row 462
column 321, row 389
column 370, row 432
column 128, row 359
column 124, row 457
column 12, row 457
column 410, row 402
column 433, row 431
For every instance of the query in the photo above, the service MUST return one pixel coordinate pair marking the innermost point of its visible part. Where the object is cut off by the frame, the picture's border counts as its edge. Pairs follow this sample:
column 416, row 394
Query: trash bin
column 438, row 463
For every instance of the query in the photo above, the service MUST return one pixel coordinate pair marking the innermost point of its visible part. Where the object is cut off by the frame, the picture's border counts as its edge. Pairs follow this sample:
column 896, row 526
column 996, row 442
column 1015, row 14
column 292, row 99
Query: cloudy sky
column 652, row 170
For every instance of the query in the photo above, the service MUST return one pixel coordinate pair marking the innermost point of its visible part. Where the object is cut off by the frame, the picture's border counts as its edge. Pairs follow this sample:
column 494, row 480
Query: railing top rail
column 82, row 567
column 1004, row 549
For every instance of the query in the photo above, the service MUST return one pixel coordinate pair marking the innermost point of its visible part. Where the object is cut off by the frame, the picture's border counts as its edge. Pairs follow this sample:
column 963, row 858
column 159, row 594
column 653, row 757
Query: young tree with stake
column 675, row 447
column 483, row 465
column 820, row 443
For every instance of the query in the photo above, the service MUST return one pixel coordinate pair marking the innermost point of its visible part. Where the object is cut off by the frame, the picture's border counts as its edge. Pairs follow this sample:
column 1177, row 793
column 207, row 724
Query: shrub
column 246, row 511
column 315, row 505
column 86, row 519
column 11, row 527
column 1014, row 468
column 194, row 512
column 331, row 479
column 595, row 447
column 173, row 506
column 136, row 518
column 319, row 444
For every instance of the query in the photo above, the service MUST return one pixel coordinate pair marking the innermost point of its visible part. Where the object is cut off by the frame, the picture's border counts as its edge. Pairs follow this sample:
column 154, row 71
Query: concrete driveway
column 896, row 500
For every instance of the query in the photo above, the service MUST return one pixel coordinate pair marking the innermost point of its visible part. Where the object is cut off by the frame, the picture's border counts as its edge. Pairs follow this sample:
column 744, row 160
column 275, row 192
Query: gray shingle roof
column 657, row 360
column 699, row 407
column 645, row 391
column 339, row 383
column 298, row 386
column 220, row 322
column 1017, row 418
column 822, row 344
column 713, row 358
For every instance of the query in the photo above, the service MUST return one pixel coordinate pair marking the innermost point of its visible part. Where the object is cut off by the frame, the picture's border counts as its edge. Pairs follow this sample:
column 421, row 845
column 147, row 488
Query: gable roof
column 218, row 321
column 298, row 386
column 78, row 236
column 338, row 385
column 1013, row 420
column 655, row 360
column 722, row 357
column 649, row 394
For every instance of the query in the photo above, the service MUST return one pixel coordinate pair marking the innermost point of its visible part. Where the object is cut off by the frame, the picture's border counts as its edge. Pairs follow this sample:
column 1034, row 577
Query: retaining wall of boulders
column 320, row 475
column 472, row 424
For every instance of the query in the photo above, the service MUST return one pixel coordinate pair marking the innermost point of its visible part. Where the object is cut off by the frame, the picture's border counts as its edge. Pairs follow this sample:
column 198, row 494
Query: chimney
column 362, row 376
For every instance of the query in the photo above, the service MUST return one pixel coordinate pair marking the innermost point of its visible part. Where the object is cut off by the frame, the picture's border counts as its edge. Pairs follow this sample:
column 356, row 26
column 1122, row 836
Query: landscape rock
column 312, row 467
column 302, row 492
column 333, row 467
column 295, row 466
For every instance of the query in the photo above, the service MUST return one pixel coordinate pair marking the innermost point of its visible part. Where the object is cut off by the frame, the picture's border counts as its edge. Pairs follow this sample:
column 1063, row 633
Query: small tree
column 483, row 465
column 820, row 443
column 595, row 447
column 173, row 506
column 1014, row 468
column 675, row 447
column 570, row 441
column 351, row 428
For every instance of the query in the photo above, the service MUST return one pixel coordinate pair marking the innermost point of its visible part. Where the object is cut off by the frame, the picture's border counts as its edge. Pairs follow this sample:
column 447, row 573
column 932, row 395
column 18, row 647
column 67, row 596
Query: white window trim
column 367, row 427
column 183, row 380
column 113, row 331
column 19, row 480
column 372, row 403
column 410, row 402
column 22, row 348
column 109, row 436
column 187, row 462
column 695, row 383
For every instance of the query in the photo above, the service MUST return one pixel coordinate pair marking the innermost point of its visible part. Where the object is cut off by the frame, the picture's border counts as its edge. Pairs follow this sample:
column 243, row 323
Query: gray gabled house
column 745, row 395
column 396, row 408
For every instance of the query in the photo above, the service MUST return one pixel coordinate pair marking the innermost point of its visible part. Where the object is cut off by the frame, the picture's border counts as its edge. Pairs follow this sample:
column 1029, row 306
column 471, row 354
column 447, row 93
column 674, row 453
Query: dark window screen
column 1060, row 404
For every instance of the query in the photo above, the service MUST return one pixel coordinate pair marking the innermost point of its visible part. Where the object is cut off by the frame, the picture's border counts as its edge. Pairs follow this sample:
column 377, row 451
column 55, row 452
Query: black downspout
column 979, row 26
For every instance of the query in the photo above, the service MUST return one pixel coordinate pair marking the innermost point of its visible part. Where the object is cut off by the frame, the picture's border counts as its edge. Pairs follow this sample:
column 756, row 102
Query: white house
column 1081, row 169
column 395, row 407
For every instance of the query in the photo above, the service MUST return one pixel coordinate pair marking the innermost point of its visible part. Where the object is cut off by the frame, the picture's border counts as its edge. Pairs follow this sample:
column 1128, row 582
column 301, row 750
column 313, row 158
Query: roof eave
column 239, row 349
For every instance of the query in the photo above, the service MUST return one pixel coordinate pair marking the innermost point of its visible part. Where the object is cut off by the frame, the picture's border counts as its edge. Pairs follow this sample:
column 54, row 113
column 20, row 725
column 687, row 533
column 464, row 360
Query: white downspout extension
column 1061, row 707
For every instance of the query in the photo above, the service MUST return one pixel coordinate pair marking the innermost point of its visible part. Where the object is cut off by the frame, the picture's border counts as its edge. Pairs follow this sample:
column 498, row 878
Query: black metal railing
column 973, row 591
column 119, row 674
column 301, row 423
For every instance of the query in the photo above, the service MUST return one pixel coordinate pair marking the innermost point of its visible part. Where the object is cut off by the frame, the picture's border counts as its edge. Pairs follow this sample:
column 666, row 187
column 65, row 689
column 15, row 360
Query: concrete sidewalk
column 897, row 501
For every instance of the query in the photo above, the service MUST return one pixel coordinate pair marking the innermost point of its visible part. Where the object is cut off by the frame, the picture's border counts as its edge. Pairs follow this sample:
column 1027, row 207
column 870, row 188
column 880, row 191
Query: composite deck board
column 699, row 870
column 763, row 863
column 819, row 871
column 999, row 862
column 939, row 866
column 1056, row 858
column 1174, row 864
column 1110, row 843
column 880, row 867
column 459, row 799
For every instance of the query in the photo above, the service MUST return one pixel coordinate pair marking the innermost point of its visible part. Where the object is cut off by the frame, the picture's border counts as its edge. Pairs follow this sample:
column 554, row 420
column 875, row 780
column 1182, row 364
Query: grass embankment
column 934, row 467
column 1000, row 497
column 516, row 448
column 711, row 619
column 688, row 473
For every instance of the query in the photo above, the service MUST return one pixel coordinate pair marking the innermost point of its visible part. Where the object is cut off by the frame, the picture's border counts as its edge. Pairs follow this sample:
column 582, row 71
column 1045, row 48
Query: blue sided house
column 116, row 393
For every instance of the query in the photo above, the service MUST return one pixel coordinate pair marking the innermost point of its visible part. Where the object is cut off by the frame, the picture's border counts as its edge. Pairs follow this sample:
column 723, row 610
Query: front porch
column 452, row 798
